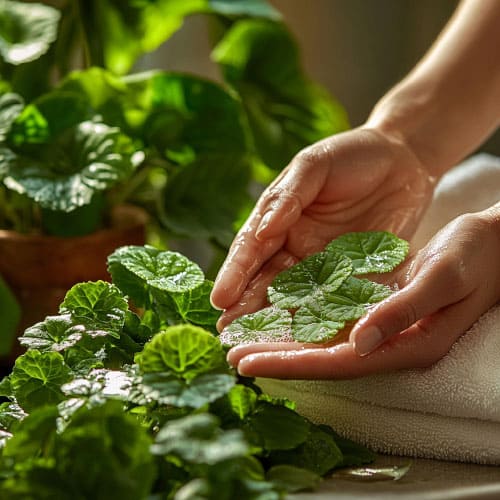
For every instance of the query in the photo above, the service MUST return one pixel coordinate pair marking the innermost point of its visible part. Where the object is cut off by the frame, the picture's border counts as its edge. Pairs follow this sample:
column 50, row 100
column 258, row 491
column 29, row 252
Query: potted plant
column 80, row 135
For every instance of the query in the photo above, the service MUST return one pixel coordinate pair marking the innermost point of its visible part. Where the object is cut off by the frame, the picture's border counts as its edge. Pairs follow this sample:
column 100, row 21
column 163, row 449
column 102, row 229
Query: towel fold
column 450, row 411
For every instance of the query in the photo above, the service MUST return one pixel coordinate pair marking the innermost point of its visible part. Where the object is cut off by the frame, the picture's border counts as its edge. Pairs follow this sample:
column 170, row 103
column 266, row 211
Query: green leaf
column 10, row 312
column 353, row 454
column 267, row 325
column 277, row 427
column 286, row 112
column 11, row 106
column 192, row 201
column 292, row 479
column 236, row 8
column 319, row 453
column 10, row 415
column 55, row 333
column 320, row 321
column 37, row 377
column 185, row 351
column 100, row 307
column 104, row 453
column 194, row 305
column 305, row 282
column 242, row 400
column 134, row 268
column 179, row 113
column 26, row 30
column 312, row 323
column 371, row 252
column 120, row 31
column 195, row 393
column 198, row 439
column 66, row 173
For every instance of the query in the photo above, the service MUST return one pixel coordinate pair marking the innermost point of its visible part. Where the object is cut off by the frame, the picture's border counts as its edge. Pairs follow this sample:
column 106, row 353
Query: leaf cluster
column 126, row 393
column 75, row 141
column 323, row 291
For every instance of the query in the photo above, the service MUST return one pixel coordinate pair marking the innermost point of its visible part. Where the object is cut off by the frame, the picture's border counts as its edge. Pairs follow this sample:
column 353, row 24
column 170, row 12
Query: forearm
column 450, row 103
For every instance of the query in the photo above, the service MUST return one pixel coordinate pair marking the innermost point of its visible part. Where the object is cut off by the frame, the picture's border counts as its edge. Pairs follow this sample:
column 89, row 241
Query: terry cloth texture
column 450, row 411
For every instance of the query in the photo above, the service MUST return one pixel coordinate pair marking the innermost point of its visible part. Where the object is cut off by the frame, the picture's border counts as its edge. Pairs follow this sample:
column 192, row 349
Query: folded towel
column 450, row 411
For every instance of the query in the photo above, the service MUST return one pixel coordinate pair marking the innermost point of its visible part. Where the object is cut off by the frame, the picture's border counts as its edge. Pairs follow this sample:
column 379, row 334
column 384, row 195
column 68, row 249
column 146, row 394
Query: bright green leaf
column 37, row 377
column 371, row 252
column 242, row 400
column 312, row 324
column 26, row 30
column 267, row 325
column 183, row 350
column 306, row 281
column 98, row 306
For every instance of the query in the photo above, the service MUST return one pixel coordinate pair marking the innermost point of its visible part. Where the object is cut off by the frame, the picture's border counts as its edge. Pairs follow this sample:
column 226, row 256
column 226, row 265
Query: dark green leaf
column 277, row 427
column 319, row 453
column 26, row 30
column 267, row 325
column 192, row 198
column 55, row 333
column 305, row 282
column 37, row 377
column 184, row 351
column 371, row 252
column 286, row 112
column 198, row 439
column 292, row 479
column 99, row 306
column 10, row 414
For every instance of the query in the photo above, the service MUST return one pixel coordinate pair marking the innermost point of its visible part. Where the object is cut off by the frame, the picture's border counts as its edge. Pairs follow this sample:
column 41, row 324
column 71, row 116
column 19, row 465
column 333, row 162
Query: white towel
column 450, row 411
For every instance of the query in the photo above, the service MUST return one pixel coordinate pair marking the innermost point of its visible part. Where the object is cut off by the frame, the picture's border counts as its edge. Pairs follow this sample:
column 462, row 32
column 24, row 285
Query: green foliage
column 322, row 291
column 85, row 420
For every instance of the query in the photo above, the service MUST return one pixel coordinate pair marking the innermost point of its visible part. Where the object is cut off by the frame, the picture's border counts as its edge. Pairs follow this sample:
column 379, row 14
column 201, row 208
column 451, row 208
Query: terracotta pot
column 40, row 269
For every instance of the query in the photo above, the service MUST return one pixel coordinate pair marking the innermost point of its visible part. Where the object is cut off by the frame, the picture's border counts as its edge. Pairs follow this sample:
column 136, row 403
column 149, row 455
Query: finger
column 255, row 296
column 235, row 354
column 420, row 346
column 435, row 286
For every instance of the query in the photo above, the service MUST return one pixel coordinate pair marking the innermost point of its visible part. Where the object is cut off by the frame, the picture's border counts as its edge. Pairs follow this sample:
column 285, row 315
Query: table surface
column 425, row 480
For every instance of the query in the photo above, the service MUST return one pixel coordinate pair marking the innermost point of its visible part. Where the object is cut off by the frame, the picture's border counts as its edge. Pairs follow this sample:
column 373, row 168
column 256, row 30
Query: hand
column 444, row 289
column 356, row 181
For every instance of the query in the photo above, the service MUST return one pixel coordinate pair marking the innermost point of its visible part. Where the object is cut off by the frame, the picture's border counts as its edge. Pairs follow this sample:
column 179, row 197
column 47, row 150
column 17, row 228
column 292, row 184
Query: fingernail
column 367, row 340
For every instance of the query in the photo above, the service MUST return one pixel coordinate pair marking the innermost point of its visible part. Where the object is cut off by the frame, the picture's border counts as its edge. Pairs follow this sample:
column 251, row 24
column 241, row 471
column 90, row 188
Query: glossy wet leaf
column 98, row 306
column 11, row 106
column 66, row 173
column 371, row 252
column 10, row 415
column 194, row 393
column 198, row 439
column 37, row 377
column 312, row 323
column 134, row 268
column 267, row 325
column 306, row 281
column 54, row 333
column 286, row 111
column 185, row 351
column 26, row 30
